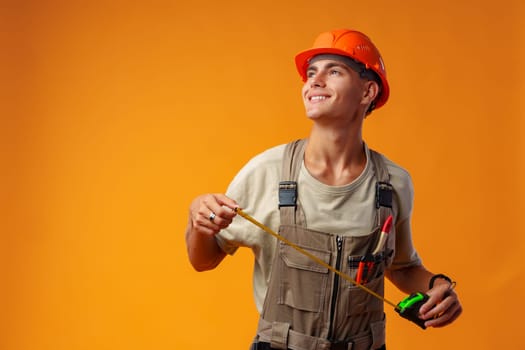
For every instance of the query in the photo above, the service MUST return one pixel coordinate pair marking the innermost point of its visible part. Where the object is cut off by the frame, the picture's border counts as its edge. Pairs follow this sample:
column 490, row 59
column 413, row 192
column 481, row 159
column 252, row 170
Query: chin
column 314, row 114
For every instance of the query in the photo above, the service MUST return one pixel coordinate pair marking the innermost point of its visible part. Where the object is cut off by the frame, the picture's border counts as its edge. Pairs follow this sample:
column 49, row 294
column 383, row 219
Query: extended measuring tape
column 407, row 308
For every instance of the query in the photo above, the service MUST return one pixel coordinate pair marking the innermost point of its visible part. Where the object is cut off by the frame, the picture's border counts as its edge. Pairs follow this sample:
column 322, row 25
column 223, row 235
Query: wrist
column 440, row 277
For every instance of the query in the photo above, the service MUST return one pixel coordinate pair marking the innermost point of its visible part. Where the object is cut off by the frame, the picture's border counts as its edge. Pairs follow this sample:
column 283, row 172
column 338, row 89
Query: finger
column 214, row 215
column 221, row 217
column 204, row 225
column 443, row 321
column 203, row 229
column 212, row 203
column 429, row 305
column 224, row 200
column 218, row 208
column 436, row 296
column 446, row 318
column 445, row 307
column 437, row 309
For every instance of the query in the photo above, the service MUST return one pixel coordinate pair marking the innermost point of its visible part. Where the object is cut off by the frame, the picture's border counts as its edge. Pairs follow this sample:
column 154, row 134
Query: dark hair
column 367, row 74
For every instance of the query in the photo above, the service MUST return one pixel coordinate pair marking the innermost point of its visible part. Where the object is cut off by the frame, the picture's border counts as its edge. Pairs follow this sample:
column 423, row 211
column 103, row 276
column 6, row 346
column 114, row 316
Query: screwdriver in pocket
column 384, row 234
column 367, row 262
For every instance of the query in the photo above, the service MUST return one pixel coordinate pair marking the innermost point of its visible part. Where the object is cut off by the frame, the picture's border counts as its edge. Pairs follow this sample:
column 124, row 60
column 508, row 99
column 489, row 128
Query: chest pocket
column 303, row 282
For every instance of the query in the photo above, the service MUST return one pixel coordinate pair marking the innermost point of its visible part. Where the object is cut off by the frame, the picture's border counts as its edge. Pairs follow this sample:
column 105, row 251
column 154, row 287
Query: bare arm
column 443, row 306
column 203, row 251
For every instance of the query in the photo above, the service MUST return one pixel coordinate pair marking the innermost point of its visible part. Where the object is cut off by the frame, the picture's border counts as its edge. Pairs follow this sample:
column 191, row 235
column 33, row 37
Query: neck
column 334, row 157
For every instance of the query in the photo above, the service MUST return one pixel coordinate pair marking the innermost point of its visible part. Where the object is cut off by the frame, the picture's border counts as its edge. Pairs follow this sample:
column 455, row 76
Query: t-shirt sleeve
column 231, row 238
column 225, row 238
column 405, row 252
column 253, row 194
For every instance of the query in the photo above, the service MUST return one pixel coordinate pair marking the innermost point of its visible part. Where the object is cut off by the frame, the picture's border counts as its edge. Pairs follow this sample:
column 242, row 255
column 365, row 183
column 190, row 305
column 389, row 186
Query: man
column 331, row 195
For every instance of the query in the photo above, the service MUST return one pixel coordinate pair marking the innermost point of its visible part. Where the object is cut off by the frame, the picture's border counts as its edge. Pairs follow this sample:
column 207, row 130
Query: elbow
column 205, row 265
column 202, row 267
column 204, row 253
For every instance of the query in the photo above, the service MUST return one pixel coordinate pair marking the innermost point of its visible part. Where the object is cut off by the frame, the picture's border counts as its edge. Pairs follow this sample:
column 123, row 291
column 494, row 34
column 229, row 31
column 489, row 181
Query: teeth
column 315, row 98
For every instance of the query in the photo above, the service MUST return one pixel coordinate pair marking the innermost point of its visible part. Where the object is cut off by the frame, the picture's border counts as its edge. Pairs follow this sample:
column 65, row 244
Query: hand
column 443, row 306
column 210, row 213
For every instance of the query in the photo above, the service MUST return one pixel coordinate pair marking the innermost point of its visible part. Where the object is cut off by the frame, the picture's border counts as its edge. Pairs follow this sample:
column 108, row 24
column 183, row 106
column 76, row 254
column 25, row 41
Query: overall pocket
column 303, row 282
column 357, row 300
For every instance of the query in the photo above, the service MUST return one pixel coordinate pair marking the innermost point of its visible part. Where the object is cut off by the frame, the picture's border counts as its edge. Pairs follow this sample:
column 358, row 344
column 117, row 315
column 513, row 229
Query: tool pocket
column 303, row 282
column 373, row 266
column 357, row 300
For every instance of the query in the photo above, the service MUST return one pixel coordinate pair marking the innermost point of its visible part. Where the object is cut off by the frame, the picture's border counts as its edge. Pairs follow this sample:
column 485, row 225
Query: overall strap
column 384, row 190
column 291, row 213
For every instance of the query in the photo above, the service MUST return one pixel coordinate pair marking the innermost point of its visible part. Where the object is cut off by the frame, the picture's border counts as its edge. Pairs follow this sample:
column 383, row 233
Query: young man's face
column 332, row 90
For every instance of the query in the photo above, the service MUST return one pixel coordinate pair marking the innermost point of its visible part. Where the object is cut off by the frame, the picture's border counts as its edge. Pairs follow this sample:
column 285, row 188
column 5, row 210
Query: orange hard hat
column 348, row 43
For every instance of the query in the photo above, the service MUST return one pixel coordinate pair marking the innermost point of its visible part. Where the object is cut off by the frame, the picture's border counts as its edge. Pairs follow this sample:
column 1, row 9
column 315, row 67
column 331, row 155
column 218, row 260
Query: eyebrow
column 328, row 65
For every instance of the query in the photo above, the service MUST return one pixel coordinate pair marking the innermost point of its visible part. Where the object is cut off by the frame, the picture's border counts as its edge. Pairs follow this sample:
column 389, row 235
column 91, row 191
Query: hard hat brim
column 303, row 58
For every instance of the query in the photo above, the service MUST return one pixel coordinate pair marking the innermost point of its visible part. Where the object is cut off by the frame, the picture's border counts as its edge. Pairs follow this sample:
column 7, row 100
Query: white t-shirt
column 347, row 210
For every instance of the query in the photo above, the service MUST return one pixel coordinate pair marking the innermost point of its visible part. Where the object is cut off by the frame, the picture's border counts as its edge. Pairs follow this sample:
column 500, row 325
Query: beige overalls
column 307, row 306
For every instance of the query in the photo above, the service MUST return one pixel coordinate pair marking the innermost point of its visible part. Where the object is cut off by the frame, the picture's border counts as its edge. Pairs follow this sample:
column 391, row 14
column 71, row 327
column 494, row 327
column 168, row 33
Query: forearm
column 203, row 251
column 410, row 279
column 442, row 307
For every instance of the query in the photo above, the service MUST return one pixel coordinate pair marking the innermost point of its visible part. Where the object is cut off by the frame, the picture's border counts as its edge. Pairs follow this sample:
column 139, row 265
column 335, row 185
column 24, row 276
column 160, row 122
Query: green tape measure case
column 409, row 308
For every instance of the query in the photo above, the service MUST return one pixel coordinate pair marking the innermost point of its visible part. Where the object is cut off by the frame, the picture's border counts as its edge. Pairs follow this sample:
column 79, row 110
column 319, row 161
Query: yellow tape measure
column 311, row 256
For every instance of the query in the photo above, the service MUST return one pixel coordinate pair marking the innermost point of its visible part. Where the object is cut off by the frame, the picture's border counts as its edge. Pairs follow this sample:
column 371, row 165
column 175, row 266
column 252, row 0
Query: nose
column 317, row 80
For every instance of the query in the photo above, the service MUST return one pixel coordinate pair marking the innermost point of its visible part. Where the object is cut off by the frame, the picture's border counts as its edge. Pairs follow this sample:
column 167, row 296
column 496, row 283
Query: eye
column 310, row 73
column 335, row 72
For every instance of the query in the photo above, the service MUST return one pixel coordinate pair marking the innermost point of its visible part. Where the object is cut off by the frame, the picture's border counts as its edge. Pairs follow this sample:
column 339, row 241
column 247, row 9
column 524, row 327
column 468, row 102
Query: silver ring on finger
column 212, row 216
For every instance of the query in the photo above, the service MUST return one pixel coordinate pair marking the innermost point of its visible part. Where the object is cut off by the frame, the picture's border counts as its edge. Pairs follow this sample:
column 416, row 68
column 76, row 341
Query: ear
column 370, row 92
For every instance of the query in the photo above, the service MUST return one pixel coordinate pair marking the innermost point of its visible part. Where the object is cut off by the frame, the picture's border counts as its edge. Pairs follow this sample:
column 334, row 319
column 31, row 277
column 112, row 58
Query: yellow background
column 115, row 114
